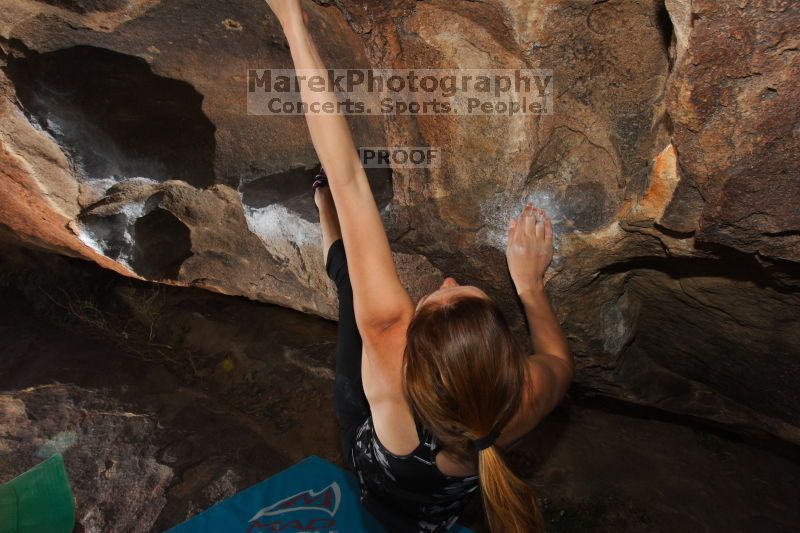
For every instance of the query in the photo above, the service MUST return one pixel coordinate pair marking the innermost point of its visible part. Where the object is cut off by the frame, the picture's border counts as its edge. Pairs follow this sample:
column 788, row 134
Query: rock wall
column 670, row 166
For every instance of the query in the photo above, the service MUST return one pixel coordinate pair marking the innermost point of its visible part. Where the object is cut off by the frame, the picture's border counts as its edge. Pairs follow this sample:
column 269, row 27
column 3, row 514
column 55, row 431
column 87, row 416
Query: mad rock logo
column 308, row 511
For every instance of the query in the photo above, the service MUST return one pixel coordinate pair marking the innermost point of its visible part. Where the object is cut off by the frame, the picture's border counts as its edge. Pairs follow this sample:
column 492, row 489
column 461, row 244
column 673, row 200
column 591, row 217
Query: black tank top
column 408, row 493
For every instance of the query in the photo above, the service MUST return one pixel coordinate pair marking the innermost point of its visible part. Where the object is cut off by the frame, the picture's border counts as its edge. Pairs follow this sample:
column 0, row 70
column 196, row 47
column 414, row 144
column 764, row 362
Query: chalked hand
column 530, row 248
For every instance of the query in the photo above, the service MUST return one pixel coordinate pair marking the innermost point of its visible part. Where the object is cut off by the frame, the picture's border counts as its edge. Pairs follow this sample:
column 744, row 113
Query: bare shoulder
column 546, row 382
column 394, row 425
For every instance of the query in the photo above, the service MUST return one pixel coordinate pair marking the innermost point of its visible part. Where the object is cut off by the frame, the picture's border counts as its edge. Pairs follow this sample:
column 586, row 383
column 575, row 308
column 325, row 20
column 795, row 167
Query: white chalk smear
column 275, row 223
column 58, row 444
column 286, row 235
column 497, row 212
column 112, row 236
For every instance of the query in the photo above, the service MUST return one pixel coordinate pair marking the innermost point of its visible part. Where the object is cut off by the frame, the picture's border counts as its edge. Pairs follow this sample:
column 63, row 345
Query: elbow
column 569, row 371
column 565, row 374
column 566, row 363
column 568, row 377
column 570, row 361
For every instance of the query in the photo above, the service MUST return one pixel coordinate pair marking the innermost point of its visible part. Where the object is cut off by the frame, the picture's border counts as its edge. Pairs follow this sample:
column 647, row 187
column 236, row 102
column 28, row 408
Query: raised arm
column 380, row 301
column 529, row 252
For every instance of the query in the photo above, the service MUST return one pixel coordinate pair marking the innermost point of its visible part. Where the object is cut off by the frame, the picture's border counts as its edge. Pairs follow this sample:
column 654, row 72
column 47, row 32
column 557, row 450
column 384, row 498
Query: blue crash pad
column 313, row 496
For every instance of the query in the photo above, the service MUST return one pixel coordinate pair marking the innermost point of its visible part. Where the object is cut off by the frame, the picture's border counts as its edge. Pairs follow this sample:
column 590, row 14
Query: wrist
column 534, row 288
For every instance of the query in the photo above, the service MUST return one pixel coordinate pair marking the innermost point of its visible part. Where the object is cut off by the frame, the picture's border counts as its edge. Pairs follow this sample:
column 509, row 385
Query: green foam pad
column 38, row 500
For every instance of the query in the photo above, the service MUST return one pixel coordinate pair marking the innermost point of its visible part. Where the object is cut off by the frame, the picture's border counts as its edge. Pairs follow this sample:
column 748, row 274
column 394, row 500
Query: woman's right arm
column 382, row 305
column 529, row 252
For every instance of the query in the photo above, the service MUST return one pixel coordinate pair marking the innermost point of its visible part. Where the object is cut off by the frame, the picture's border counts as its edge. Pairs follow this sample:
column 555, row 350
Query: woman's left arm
column 379, row 299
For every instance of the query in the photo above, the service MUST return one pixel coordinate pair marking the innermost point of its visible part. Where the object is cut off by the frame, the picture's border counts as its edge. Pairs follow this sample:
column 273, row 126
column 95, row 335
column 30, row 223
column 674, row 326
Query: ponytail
column 508, row 501
column 464, row 376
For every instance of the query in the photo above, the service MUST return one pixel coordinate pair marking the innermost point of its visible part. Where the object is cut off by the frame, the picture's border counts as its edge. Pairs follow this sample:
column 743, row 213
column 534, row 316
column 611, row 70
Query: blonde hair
column 464, row 377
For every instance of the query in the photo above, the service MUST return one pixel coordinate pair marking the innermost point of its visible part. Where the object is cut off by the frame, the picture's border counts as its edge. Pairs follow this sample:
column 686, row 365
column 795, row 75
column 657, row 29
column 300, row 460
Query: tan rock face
column 734, row 103
column 669, row 165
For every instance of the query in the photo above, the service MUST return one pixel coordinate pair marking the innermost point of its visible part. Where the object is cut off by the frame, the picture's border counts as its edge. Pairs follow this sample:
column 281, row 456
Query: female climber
column 427, row 395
